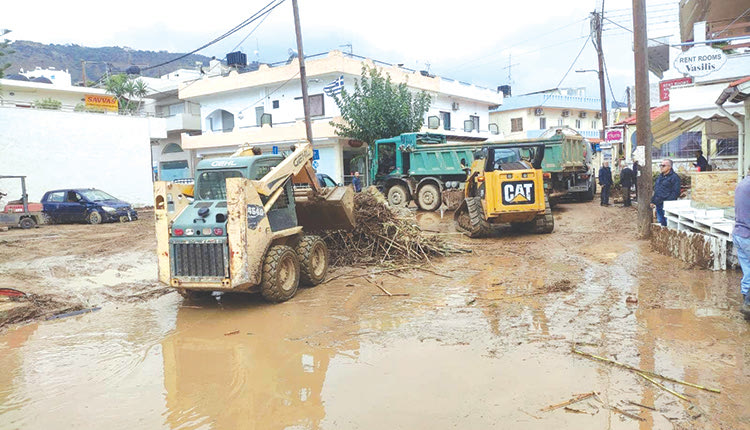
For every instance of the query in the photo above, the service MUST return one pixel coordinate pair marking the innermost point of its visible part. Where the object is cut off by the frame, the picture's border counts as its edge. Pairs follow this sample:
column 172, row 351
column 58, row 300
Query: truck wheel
column 27, row 223
column 589, row 195
column 94, row 218
column 398, row 196
column 428, row 197
column 280, row 277
column 313, row 260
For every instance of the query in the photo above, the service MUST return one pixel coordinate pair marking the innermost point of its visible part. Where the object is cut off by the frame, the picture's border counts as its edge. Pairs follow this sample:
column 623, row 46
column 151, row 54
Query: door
column 73, row 209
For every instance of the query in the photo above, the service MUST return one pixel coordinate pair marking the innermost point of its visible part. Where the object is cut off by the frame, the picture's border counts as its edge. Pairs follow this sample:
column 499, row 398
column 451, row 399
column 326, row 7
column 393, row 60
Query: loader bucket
column 332, row 209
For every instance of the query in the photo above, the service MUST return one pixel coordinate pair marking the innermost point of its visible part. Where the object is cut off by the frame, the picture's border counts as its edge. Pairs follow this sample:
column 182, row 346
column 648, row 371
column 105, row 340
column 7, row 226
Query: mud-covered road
column 481, row 341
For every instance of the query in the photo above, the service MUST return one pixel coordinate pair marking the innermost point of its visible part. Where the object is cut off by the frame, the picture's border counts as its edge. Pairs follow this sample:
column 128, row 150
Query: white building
column 63, row 147
column 530, row 115
column 264, row 108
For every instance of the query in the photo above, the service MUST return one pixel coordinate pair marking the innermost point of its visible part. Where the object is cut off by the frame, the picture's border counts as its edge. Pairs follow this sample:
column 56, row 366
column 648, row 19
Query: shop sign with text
column 101, row 102
column 664, row 87
column 700, row 61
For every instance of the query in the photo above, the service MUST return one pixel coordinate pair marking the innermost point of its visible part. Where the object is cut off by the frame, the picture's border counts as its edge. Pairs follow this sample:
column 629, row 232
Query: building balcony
column 280, row 133
column 183, row 121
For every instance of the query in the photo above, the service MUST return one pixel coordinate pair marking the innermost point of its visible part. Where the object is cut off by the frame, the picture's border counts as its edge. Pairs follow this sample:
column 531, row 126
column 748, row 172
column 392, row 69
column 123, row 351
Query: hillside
column 29, row 55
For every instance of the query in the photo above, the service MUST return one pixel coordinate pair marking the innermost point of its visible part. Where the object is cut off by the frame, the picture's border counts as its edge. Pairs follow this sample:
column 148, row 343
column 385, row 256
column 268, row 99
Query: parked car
column 325, row 180
column 85, row 205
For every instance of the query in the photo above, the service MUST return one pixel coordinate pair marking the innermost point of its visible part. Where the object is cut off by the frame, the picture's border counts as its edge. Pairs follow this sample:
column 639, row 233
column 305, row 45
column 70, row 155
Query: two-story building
column 530, row 115
column 263, row 107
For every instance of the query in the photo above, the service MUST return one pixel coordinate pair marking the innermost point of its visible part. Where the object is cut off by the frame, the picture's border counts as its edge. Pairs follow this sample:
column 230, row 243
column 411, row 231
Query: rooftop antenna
column 509, row 67
column 348, row 45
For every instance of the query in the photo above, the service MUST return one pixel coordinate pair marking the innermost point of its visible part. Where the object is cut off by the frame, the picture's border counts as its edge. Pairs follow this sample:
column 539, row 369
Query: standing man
column 357, row 182
column 741, row 239
column 667, row 187
column 605, row 180
column 701, row 163
column 626, row 181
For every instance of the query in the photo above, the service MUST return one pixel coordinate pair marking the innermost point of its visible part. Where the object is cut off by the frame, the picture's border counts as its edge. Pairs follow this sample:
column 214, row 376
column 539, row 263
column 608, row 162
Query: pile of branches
column 383, row 234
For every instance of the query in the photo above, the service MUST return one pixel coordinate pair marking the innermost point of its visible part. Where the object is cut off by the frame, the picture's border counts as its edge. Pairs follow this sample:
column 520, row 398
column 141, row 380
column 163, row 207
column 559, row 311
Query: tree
column 378, row 109
column 4, row 50
column 129, row 91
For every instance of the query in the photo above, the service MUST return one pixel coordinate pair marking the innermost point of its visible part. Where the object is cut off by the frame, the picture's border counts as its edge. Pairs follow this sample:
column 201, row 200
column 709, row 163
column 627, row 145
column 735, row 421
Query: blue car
column 85, row 205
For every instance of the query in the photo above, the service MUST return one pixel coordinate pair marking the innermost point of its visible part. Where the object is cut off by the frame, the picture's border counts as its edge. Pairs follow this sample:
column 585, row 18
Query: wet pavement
column 482, row 341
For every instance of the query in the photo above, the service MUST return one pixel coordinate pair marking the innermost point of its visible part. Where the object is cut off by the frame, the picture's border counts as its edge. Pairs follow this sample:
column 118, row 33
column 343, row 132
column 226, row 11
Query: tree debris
column 575, row 399
column 383, row 234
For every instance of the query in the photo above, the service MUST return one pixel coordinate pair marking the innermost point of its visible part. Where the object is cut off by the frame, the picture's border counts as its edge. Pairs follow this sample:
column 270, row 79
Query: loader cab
column 207, row 214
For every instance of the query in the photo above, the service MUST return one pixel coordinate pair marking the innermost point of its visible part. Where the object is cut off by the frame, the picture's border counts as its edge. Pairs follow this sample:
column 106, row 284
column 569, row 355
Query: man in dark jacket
column 605, row 180
column 667, row 187
column 626, row 181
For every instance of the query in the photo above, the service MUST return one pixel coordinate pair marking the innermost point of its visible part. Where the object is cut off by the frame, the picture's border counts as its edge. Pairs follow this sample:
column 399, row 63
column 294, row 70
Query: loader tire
column 470, row 219
column 313, row 260
column 280, row 277
column 428, row 197
column 398, row 196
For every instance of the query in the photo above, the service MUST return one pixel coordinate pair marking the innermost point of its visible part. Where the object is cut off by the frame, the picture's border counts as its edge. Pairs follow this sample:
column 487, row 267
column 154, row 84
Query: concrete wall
column 715, row 189
column 65, row 149
column 699, row 250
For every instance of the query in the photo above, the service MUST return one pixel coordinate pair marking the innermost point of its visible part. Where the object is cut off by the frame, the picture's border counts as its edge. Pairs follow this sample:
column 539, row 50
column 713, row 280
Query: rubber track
column 479, row 227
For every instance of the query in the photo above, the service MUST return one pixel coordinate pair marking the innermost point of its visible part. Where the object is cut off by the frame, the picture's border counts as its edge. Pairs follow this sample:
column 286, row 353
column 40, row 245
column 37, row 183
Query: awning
column 699, row 101
column 665, row 130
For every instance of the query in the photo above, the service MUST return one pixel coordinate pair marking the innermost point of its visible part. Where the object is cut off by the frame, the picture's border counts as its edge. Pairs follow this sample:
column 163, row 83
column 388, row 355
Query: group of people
column 666, row 188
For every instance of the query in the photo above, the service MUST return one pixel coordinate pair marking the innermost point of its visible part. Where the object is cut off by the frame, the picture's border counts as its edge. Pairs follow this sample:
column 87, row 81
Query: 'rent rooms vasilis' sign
column 700, row 61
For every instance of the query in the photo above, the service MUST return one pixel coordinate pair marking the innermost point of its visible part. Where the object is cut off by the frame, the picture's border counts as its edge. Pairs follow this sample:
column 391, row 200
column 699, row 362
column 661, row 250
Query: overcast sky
column 469, row 40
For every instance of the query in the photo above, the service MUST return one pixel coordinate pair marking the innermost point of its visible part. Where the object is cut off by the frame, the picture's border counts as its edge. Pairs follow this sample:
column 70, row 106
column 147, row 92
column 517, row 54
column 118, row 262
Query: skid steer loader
column 505, row 185
column 248, row 227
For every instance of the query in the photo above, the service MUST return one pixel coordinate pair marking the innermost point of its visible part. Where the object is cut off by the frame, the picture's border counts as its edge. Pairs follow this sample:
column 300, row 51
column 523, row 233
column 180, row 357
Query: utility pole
column 83, row 69
column 630, row 111
column 643, row 118
column 596, row 27
column 302, row 73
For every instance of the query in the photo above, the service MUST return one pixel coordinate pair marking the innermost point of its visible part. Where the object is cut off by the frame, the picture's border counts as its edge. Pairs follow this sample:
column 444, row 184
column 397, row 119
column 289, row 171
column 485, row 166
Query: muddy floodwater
column 482, row 340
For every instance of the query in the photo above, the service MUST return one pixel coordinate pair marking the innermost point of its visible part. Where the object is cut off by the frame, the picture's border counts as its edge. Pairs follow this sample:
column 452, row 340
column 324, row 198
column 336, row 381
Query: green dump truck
column 420, row 167
column 567, row 166
column 425, row 167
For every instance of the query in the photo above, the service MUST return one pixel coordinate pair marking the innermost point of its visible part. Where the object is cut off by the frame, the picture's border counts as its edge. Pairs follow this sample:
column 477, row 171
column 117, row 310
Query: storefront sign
column 613, row 135
column 700, row 61
column 664, row 87
column 101, row 102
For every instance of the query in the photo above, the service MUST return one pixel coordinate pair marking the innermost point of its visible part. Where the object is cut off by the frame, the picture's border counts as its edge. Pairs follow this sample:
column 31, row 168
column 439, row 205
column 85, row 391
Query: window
column 446, row 118
column 316, row 105
column 96, row 195
column 560, row 122
column 212, row 185
column 516, row 124
column 578, row 124
column 56, row 197
column 176, row 108
column 683, row 146
column 171, row 148
column 594, row 125
column 259, row 115
column 275, row 104
column 726, row 147
column 475, row 120
column 542, row 123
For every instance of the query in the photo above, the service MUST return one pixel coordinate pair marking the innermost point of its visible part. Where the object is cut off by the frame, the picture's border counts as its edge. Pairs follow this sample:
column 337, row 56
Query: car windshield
column 96, row 195
column 211, row 185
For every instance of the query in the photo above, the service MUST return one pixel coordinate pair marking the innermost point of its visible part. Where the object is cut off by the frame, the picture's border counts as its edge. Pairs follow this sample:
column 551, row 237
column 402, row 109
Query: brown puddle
column 485, row 345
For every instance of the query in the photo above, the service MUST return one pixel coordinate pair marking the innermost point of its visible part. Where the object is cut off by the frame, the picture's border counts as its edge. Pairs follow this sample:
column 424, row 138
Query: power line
column 625, row 28
column 251, row 32
column 263, row 11
column 569, row 69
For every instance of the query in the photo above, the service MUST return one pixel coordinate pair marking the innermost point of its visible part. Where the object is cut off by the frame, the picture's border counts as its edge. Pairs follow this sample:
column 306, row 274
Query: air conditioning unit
column 538, row 111
column 598, row 115
column 566, row 113
column 454, row 105
column 582, row 114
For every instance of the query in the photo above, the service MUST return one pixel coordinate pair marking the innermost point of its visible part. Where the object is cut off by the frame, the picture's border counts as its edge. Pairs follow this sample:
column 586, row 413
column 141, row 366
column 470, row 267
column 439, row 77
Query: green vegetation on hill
column 29, row 55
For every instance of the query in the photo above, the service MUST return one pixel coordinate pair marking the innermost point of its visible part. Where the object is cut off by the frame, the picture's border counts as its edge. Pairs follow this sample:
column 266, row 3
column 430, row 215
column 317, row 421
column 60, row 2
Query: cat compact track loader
column 248, row 227
column 505, row 185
